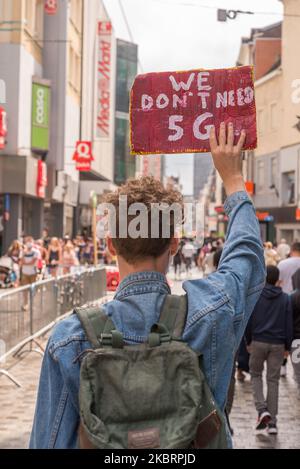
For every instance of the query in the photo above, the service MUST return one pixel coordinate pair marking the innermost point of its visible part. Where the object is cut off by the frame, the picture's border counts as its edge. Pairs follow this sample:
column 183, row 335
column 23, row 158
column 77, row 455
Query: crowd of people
column 274, row 328
column 192, row 253
column 29, row 260
column 271, row 332
column 272, row 335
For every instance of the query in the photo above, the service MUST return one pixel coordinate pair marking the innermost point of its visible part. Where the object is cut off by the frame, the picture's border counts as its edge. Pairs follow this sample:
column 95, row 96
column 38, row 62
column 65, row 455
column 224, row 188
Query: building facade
column 57, row 62
column 273, row 169
column 127, row 60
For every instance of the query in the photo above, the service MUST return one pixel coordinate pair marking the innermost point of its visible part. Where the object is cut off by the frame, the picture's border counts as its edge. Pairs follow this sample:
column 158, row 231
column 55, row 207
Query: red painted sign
column 104, row 64
column 298, row 214
column 51, row 7
column 3, row 127
column 83, row 156
column 172, row 112
column 42, row 180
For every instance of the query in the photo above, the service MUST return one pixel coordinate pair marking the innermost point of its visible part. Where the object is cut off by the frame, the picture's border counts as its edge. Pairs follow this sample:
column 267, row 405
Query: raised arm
column 241, row 272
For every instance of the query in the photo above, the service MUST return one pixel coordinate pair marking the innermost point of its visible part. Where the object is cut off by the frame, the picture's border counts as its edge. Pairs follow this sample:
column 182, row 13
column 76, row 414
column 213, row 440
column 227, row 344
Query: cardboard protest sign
column 172, row 112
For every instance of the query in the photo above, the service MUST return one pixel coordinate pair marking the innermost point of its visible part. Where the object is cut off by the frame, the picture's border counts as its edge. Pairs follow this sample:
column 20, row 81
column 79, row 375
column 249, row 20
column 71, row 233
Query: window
column 74, row 70
column 288, row 188
column 34, row 15
column 274, row 170
column 29, row 15
column 274, row 116
column 5, row 10
column 76, row 14
column 39, row 20
column 260, row 175
column 261, row 121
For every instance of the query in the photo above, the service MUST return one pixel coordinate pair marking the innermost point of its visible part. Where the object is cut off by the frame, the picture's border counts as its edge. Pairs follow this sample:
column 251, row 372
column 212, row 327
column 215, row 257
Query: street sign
column 172, row 112
column 51, row 7
column 42, row 180
column 83, row 155
column 104, row 71
column 40, row 117
column 3, row 127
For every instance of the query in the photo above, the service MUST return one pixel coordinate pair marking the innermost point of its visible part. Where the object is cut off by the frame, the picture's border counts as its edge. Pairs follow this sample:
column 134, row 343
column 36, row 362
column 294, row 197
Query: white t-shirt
column 283, row 250
column 287, row 269
column 188, row 250
column 29, row 256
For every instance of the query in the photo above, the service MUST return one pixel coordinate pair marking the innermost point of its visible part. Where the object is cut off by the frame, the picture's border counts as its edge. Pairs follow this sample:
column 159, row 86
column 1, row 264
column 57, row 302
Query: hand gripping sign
column 172, row 112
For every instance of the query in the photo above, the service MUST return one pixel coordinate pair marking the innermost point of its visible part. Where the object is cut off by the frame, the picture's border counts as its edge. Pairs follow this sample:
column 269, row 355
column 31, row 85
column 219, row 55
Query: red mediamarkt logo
column 104, row 71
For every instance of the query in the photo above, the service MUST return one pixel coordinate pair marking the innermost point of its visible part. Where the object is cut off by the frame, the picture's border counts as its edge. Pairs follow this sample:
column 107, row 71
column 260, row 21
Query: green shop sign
column 40, row 117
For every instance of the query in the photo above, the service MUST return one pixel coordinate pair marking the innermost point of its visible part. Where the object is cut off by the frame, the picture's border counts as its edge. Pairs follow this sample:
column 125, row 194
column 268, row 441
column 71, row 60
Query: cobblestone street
column 17, row 407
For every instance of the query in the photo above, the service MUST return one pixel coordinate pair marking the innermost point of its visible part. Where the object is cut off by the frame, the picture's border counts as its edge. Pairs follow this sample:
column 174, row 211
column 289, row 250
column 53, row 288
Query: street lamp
column 223, row 15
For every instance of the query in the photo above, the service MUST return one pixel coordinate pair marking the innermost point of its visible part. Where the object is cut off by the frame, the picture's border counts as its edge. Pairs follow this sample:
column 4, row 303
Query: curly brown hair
column 150, row 192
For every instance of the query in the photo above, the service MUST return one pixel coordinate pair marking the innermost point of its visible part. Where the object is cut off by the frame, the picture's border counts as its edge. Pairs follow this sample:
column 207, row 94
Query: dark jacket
column 295, row 298
column 272, row 318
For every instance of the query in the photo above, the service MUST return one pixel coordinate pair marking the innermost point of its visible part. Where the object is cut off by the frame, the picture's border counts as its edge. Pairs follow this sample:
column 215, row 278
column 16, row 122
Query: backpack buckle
column 113, row 339
column 159, row 335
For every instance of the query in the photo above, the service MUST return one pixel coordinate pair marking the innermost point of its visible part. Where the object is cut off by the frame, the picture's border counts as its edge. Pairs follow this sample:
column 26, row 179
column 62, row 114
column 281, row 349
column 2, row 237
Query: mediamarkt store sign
column 104, row 63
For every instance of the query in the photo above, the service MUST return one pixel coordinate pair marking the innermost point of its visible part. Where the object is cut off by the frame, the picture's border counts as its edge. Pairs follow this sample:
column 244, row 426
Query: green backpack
column 150, row 395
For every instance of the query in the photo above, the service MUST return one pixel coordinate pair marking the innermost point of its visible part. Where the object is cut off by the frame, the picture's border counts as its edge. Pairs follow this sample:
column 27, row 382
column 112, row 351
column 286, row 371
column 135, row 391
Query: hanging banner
column 42, row 180
column 172, row 112
column 51, row 7
column 104, row 64
column 83, row 156
column 3, row 128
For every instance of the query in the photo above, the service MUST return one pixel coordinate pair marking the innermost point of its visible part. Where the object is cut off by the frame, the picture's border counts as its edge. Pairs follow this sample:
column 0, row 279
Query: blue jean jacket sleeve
column 50, row 427
column 220, row 306
column 241, row 273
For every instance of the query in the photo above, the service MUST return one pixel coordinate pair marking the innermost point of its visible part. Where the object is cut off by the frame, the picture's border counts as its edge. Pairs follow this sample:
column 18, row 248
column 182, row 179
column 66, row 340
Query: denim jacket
column 219, row 308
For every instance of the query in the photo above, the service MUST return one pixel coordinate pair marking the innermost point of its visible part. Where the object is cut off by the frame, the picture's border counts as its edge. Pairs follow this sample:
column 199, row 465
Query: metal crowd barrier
column 26, row 313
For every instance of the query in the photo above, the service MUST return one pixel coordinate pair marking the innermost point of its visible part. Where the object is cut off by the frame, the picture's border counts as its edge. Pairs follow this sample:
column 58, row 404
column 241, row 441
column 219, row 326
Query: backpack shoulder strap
column 99, row 328
column 173, row 314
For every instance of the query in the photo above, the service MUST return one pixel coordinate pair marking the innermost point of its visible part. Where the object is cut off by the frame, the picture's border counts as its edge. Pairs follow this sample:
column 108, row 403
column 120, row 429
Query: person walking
column 177, row 262
column 69, row 258
column 283, row 250
column 54, row 257
column 288, row 267
column 188, row 252
column 28, row 265
column 295, row 350
column 271, row 256
column 269, row 337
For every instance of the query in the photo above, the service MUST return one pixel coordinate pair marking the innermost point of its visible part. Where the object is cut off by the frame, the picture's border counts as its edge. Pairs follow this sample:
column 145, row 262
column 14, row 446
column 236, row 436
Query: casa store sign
column 3, row 128
column 83, row 156
column 104, row 64
column 51, row 7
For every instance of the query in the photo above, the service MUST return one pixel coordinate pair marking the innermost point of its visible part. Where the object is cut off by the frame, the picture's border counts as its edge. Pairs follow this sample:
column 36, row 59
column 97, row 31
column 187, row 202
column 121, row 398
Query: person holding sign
column 217, row 311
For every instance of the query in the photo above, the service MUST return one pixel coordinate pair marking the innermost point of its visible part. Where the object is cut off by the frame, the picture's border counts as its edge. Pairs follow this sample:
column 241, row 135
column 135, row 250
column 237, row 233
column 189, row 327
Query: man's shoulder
column 289, row 261
column 68, row 331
